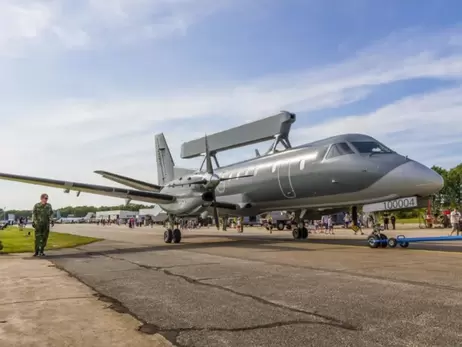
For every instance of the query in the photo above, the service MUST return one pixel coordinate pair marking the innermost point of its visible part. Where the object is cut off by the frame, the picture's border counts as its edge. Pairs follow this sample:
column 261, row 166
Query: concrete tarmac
column 42, row 306
column 259, row 290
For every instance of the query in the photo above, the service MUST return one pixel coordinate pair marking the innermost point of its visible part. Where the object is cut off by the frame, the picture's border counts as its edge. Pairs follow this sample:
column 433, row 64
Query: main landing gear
column 300, row 232
column 172, row 234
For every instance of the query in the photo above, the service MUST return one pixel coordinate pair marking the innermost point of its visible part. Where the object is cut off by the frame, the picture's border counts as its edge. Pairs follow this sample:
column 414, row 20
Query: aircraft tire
column 304, row 233
column 371, row 241
column 384, row 238
column 176, row 236
column 296, row 233
column 392, row 242
column 168, row 235
column 281, row 226
column 404, row 244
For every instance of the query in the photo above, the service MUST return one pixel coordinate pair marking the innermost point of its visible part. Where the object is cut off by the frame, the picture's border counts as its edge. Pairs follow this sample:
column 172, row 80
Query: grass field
column 408, row 221
column 15, row 241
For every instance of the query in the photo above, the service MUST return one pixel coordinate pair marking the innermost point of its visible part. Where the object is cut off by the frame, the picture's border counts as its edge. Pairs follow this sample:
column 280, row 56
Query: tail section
column 166, row 170
column 164, row 159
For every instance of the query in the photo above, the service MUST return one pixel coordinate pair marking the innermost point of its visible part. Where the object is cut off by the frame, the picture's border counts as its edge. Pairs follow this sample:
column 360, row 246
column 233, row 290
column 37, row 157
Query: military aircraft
column 317, row 178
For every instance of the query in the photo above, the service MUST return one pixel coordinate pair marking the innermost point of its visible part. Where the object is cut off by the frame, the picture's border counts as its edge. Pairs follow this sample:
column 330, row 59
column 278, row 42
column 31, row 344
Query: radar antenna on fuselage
column 276, row 128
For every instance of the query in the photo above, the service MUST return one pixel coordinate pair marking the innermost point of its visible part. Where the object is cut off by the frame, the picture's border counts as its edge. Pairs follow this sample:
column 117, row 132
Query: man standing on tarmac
column 455, row 220
column 41, row 217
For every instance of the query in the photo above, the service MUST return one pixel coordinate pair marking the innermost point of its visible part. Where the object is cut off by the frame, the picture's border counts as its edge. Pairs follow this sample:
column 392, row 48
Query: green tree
column 454, row 184
column 441, row 198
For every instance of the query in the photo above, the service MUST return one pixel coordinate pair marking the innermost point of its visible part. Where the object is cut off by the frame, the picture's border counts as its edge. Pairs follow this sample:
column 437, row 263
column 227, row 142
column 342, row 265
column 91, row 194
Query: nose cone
column 413, row 178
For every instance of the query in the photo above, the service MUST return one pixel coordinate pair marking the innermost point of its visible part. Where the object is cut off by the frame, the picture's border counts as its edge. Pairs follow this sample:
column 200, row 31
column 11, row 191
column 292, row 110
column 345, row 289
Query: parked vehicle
column 281, row 220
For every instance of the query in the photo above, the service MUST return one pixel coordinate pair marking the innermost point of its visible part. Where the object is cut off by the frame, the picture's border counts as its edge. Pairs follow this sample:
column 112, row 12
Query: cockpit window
column 339, row 149
column 369, row 147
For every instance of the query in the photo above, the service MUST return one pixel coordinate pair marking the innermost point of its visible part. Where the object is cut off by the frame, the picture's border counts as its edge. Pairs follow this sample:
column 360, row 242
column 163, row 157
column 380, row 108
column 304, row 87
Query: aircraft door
column 284, row 179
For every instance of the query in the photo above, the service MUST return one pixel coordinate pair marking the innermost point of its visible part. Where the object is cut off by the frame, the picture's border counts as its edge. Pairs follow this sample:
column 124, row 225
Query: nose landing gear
column 375, row 236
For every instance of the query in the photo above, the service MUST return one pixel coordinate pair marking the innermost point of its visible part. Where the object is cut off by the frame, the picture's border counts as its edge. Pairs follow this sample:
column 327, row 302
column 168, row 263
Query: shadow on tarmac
column 264, row 243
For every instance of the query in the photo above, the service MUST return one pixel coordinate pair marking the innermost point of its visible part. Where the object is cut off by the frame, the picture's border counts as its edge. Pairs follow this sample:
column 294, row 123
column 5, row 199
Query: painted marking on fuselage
column 284, row 180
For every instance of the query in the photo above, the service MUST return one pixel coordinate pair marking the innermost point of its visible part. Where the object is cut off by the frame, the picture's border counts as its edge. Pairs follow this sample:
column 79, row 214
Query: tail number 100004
column 400, row 203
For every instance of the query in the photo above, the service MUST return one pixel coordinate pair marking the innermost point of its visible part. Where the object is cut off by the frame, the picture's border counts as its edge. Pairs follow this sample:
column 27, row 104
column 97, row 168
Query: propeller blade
column 208, row 158
column 215, row 212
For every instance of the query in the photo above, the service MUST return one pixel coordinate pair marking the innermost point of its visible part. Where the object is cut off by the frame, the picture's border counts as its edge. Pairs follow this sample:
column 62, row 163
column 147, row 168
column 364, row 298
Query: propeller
column 211, row 181
column 214, row 181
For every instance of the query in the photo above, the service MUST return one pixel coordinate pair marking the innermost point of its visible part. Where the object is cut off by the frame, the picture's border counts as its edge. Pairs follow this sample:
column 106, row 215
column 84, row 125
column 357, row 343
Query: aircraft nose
column 416, row 178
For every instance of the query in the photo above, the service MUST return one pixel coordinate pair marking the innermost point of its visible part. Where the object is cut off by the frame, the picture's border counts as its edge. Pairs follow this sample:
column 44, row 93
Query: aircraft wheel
column 404, row 244
column 176, row 236
column 371, row 241
column 296, row 233
column 304, row 233
column 384, row 238
column 392, row 243
column 1, row 245
column 281, row 226
column 168, row 235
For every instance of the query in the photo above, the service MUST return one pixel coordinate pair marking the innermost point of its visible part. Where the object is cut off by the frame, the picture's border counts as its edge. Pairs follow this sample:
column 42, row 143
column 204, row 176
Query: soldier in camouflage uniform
column 41, row 216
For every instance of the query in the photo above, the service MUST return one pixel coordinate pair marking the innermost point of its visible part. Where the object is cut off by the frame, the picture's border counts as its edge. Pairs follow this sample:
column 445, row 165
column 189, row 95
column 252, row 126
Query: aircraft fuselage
column 340, row 171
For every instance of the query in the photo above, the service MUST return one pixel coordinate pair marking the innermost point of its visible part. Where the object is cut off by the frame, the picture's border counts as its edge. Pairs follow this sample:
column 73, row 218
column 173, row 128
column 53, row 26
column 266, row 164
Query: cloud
column 424, row 122
column 69, row 24
column 71, row 138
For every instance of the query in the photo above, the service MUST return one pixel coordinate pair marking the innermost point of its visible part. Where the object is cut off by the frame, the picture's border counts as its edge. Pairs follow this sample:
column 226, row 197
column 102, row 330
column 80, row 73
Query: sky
column 85, row 85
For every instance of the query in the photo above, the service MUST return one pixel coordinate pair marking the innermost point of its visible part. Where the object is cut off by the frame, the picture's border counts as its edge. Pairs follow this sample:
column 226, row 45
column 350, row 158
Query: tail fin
column 164, row 159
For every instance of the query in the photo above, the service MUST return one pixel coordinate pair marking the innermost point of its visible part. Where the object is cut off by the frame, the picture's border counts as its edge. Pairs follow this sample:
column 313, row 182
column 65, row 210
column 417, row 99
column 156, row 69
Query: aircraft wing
column 129, row 182
column 138, row 195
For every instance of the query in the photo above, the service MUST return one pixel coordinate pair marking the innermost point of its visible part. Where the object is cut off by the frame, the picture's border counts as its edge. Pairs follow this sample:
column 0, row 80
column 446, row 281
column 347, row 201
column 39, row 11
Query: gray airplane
column 318, row 178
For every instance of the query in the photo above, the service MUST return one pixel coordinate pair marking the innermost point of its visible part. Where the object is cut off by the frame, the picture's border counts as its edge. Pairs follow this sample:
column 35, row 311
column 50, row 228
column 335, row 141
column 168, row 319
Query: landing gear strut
column 172, row 234
column 300, row 232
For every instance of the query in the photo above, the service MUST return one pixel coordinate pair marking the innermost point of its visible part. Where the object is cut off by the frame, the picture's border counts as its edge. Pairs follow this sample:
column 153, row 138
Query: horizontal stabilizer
column 129, row 182
column 138, row 195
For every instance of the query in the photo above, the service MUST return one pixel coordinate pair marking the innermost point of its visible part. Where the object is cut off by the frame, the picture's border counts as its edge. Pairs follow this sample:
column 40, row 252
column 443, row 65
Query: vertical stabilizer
column 164, row 159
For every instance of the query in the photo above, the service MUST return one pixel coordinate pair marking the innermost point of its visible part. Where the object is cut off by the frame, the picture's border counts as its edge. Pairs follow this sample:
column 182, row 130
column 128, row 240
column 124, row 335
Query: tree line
column 448, row 197
column 81, row 211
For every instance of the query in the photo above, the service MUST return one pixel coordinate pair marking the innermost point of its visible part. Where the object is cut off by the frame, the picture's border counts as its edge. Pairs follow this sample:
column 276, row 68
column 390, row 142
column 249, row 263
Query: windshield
column 371, row 147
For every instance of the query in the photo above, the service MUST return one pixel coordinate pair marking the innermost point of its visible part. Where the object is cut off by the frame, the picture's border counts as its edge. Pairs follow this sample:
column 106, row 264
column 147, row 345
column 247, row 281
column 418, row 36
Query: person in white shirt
column 330, row 226
column 347, row 220
column 455, row 222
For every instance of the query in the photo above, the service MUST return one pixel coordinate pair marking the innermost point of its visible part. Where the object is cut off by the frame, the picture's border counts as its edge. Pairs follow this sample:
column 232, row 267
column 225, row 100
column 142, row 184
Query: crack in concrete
column 346, row 272
column 172, row 334
column 332, row 321
column 45, row 300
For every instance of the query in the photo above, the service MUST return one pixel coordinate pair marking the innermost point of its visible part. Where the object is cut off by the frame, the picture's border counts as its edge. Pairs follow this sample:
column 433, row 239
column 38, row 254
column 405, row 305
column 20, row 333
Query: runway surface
column 268, row 290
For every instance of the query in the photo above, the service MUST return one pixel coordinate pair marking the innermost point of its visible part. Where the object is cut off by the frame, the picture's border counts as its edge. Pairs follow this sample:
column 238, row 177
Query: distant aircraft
column 318, row 178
